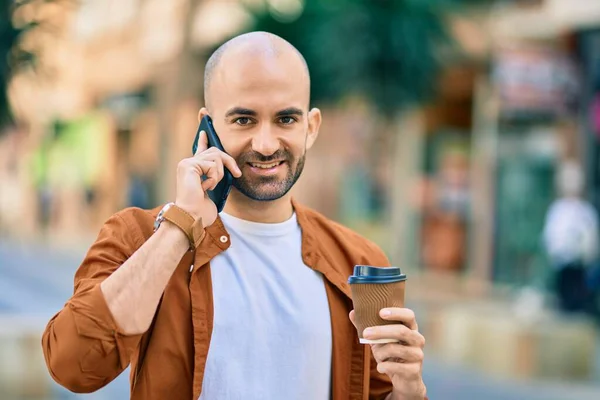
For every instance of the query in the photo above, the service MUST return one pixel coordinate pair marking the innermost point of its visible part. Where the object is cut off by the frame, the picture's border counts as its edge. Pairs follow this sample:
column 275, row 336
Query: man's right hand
column 191, row 190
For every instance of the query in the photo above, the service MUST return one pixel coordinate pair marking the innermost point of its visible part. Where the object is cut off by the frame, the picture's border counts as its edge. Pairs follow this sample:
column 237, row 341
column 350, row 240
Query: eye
column 287, row 120
column 243, row 121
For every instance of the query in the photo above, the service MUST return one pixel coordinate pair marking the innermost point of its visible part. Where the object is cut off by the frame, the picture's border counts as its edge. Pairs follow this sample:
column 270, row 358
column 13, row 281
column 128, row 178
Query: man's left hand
column 401, row 361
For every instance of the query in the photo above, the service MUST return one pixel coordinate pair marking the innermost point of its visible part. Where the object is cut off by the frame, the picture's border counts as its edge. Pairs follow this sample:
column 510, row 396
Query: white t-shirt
column 271, row 337
column 571, row 231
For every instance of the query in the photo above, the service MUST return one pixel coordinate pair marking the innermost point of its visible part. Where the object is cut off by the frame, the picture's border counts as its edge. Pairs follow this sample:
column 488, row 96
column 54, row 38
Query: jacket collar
column 314, row 253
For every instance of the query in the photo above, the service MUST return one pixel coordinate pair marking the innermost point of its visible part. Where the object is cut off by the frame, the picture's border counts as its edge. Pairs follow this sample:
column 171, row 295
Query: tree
column 13, row 54
column 9, row 37
column 385, row 50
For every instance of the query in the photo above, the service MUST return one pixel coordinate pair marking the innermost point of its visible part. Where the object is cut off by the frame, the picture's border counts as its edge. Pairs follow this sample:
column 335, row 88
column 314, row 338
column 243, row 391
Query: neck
column 268, row 212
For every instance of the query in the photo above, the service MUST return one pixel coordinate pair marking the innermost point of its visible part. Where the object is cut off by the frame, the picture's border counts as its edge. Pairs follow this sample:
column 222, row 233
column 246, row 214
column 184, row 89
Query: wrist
column 399, row 394
column 174, row 235
column 191, row 227
column 190, row 210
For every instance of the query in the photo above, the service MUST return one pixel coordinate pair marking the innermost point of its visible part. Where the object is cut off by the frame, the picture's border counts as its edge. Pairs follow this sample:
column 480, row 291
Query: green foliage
column 8, row 37
column 12, row 55
column 384, row 50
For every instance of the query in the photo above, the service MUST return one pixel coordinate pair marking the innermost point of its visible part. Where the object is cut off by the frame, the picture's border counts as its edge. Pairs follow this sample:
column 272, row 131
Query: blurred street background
column 463, row 136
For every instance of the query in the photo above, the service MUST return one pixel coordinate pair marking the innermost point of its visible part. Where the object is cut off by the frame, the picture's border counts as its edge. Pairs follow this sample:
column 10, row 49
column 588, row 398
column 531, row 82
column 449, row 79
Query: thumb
column 351, row 315
column 202, row 142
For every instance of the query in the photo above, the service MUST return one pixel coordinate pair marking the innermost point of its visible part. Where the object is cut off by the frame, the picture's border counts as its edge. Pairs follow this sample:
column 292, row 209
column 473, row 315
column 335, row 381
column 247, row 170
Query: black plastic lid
column 370, row 274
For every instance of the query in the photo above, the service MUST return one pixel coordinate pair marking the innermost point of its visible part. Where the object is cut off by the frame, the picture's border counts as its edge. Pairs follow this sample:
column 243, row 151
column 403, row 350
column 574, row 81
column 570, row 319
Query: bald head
column 259, row 48
column 257, row 92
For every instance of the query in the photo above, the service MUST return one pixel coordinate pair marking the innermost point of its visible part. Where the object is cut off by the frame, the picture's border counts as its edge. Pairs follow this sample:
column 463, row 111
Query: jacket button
column 223, row 239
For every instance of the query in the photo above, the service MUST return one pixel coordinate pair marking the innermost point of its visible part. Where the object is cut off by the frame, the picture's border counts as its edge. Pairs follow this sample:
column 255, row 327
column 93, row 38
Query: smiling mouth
column 267, row 166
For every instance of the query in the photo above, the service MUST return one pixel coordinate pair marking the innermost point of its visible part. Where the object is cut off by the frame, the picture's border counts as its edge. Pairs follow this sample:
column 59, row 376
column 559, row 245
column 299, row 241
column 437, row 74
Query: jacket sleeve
column 380, row 385
column 83, row 346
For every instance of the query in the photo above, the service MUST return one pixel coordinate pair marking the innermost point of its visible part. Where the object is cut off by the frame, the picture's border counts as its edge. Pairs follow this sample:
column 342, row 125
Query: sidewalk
column 479, row 334
column 461, row 383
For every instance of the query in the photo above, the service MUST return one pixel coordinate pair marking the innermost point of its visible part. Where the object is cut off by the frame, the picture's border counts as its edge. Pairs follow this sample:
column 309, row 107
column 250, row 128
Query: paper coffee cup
column 374, row 288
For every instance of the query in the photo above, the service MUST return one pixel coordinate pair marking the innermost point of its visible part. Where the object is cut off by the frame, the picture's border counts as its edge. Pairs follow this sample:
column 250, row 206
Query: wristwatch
column 193, row 228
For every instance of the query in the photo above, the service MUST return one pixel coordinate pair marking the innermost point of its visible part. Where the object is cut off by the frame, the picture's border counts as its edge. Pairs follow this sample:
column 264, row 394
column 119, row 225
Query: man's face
column 259, row 107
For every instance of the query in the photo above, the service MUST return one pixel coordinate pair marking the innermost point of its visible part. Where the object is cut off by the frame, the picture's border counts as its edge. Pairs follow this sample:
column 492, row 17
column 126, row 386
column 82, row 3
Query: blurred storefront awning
column 534, row 81
column 544, row 20
column 574, row 14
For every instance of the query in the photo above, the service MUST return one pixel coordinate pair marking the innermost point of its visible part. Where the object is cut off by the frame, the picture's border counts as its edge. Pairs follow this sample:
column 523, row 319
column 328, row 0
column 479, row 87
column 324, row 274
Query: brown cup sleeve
column 368, row 300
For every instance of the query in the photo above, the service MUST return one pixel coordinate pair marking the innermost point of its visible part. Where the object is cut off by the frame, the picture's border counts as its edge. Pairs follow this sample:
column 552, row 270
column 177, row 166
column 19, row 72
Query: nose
column 264, row 141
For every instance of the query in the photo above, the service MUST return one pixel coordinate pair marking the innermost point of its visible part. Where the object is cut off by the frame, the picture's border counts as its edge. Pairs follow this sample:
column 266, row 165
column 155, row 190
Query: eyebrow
column 290, row 111
column 240, row 111
column 251, row 113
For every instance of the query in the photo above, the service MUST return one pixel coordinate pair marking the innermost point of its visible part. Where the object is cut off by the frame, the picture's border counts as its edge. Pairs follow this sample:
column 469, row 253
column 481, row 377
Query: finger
column 351, row 315
column 208, row 169
column 397, row 353
column 404, row 315
column 398, row 332
column 202, row 142
column 227, row 161
column 407, row 371
column 189, row 173
column 231, row 165
column 213, row 156
column 219, row 166
column 210, row 183
column 213, row 153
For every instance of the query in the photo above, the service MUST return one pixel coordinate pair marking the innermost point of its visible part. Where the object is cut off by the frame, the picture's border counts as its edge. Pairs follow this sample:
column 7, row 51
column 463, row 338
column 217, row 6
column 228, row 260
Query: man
column 570, row 237
column 252, row 303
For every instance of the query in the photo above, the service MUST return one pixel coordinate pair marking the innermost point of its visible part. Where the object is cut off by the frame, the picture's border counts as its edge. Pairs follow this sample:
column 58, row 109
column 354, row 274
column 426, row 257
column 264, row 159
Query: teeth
column 265, row 166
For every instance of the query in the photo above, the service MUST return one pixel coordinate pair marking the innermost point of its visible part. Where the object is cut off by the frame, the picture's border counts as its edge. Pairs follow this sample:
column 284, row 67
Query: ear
column 314, row 124
column 202, row 113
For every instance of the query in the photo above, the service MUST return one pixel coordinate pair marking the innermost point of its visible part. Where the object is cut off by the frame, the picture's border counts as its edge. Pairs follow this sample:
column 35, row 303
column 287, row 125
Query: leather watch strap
column 194, row 229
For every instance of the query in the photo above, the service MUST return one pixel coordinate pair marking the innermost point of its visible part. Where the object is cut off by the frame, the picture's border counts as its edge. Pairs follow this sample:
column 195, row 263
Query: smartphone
column 219, row 194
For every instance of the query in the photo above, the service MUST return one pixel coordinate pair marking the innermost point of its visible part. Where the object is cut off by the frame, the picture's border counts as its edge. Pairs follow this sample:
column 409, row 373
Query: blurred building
column 113, row 108
column 108, row 113
column 544, row 61
column 485, row 153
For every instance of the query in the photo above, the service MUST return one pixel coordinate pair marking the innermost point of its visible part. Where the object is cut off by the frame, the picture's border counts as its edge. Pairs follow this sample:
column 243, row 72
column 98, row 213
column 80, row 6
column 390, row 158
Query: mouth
column 266, row 166
column 266, row 169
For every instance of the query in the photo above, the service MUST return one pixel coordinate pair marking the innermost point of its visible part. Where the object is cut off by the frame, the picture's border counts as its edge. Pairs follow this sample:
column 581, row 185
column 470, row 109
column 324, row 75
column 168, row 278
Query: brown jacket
column 85, row 349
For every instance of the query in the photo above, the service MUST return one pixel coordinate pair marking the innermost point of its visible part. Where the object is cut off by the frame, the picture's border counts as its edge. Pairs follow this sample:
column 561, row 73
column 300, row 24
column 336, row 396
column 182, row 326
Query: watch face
column 165, row 208
column 160, row 217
